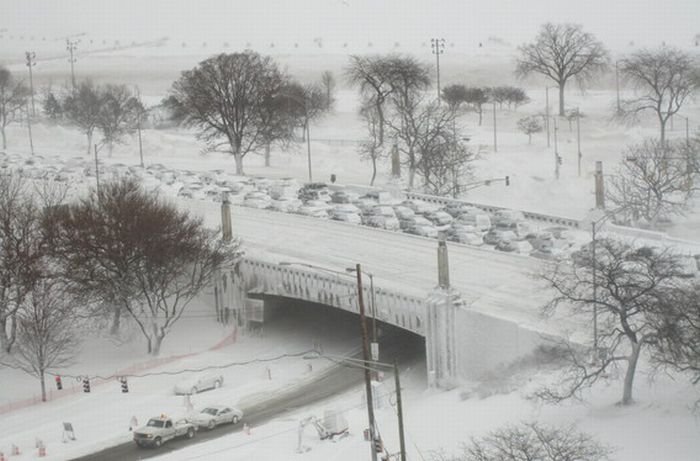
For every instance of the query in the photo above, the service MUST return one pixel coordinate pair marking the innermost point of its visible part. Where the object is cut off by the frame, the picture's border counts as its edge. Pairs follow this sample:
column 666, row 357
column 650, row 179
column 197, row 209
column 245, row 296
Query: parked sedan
column 286, row 204
column 198, row 383
column 212, row 416
column 495, row 236
column 382, row 217
column 439, row 217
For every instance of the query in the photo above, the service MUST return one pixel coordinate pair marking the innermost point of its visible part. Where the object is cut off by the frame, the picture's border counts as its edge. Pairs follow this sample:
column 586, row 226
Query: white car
column 285, row 204
column 198, row 383
column 346, row 213
column 212, row 416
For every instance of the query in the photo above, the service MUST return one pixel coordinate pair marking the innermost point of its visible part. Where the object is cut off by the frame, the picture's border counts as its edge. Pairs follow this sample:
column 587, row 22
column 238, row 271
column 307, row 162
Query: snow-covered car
column 382, row 217
column 314, row 191
column 309, row 209
column 212, row 416
column 161, row 429
column 495, row 236
column 285, row 204
column 418, row 206
column 341, row 196
column 414, row 221
column 257, row 199
column 457, row 208
column 505, row 217
column 439, row 217
column 465, row 234
column 346, row 213
column 423, row 230
column 198, row 383
column 403, row 212
column 476, row 218
column 515, row 246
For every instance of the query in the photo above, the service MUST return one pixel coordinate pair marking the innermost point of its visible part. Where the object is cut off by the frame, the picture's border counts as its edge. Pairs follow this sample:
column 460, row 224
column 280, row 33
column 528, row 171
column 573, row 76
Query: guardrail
column 443, row 201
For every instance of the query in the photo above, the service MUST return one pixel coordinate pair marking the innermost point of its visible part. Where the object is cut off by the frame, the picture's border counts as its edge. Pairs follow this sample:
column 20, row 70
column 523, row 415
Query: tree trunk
column 629, row 375
column 374, row 169
column 411, row 175
column 239, row 163
column 480, row 115
column 156, row 345
column 89, row 136
column 662, row 126
column 116, row 320
column 7, row 340
column 529, row 138
column 4, row 138
column 267, row 154
column 561, row 100
column 43, row 386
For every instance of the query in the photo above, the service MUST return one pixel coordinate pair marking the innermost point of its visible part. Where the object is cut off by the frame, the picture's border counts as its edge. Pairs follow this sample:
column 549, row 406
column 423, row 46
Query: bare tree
column 655, row 180
column 631, row 285
column 372, row 74
column 82, row 108
column 20, row 251
column 477, row 97
column 369, row 148
column 118, row 114
column 679, row 346
column 13, row 94
column 561, row 52
column 533, row 441
column 455, row 95
column 130, row 246
column 530, row 125
column 664, row 80
column 46, row 332
column 224, row 96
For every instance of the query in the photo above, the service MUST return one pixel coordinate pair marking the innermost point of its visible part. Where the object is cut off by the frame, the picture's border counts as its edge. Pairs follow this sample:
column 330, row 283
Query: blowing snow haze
column 339, row 26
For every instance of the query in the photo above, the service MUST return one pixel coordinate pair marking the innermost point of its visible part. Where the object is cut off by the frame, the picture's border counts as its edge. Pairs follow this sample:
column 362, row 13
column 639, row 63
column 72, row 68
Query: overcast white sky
column 410, row 22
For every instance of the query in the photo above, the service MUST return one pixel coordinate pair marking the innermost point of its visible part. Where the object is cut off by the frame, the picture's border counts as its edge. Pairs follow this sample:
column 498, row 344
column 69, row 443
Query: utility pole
column 138, row 124
column 599, row 186
column 578, row 139
column 438, row 48
column 29, row 128
column 595, row 293
column 71, row 46
column 31, row 62
column 399, row 411
column 557, row 159
column 617, row 87
column 97, row 172
column 365, row 358
column 308, row 148
column 495, row 141
column 546, row 111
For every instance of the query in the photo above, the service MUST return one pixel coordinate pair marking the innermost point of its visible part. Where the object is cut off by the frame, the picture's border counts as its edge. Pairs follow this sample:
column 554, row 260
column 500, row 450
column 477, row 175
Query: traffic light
column 507, row 180
column 86, row 384
column 59, row 384
column 125, row 385
column 559, row 159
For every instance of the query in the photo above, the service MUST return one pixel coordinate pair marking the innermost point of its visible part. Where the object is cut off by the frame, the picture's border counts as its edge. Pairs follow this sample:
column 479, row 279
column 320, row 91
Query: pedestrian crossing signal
column 507, row 180
column 59, row 384
column 125, row 385
column 378, row 445
column 86, row 384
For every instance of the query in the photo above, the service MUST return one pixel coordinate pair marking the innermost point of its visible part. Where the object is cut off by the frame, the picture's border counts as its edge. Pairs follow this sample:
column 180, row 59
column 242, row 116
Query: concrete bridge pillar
column 440, row 337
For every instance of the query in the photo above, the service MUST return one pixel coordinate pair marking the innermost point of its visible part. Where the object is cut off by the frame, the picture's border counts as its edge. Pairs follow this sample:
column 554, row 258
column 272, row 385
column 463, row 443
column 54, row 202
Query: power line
column 185, row 370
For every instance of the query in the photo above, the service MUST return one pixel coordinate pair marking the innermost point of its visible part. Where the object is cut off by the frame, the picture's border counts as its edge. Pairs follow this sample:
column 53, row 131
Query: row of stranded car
column 163, row 428
column 506, row 230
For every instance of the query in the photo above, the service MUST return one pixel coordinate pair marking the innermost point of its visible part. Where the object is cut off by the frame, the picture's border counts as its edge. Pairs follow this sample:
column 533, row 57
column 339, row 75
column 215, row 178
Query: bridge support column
column 440, row 337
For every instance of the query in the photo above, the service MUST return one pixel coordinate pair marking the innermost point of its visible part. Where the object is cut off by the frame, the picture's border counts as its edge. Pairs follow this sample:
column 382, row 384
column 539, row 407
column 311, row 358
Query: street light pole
column 556, row 150
column 495, row 140
column 71, row 46
column 617, row 86
column 31, row 62
column 365, row 357
column 546, row 111
column 438, row 48
column 595, row 291
column 578, row 139
column 399, row 411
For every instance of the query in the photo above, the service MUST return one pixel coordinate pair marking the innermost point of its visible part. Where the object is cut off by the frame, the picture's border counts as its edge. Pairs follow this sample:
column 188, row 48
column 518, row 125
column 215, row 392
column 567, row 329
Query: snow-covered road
column 492, row 282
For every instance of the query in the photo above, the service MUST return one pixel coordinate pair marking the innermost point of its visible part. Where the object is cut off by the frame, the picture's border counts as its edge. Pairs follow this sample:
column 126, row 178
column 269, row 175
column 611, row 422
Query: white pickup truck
column 161, row 429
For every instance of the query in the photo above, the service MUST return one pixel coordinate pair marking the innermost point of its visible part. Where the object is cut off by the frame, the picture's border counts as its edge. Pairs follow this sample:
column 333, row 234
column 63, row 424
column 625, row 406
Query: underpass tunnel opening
column 325, row 324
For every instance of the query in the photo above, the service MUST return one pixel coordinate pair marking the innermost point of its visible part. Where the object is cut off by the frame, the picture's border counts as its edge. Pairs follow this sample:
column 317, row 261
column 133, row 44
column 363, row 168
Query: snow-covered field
column 660, row 426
